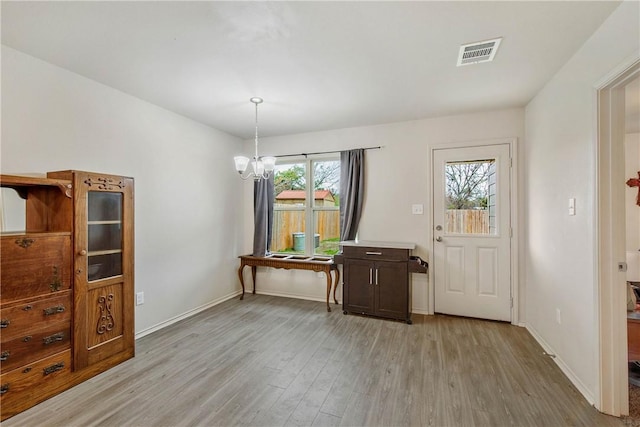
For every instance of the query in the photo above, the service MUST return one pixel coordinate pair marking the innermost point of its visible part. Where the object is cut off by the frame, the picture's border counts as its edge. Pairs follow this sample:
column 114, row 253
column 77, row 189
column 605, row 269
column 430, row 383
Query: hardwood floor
column 269, row 361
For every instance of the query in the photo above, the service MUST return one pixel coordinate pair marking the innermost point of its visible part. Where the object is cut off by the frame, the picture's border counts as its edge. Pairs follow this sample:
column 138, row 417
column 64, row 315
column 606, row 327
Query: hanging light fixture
column 261, row 167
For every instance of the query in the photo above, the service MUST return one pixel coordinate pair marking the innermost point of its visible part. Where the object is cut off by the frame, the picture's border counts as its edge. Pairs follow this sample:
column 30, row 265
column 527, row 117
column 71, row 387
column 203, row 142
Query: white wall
column 187, row 196
column 560, row 164
column 397, row 176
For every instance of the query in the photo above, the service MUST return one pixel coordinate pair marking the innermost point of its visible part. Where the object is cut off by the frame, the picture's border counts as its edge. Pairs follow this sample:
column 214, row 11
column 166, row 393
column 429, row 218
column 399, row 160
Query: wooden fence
column 467, row 221
column 285, row 223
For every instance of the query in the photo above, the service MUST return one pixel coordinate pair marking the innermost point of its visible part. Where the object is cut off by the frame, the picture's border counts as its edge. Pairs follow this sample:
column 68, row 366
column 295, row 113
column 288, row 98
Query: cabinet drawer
column 34, row 346
column 28, row 385
column 372, row 253
column 17, row 319
column 34, row 264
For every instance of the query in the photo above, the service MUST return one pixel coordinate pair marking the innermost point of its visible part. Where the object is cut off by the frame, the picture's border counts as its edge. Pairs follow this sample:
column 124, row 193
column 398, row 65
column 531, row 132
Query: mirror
column 12, row 211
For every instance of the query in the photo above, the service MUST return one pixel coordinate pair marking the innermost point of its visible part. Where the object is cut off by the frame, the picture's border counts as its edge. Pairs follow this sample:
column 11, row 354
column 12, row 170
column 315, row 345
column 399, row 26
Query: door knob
column 439, row 239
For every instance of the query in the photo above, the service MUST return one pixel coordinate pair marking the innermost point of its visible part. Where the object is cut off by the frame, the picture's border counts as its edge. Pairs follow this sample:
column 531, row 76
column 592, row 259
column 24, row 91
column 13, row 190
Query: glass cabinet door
column 104, row 235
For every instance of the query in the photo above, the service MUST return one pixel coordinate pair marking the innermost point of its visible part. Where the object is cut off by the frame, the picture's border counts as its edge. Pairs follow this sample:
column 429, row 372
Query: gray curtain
column 351, row 192
column 262, row 215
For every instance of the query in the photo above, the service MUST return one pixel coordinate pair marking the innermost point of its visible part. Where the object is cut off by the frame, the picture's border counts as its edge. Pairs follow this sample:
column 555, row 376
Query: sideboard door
column 104, row 288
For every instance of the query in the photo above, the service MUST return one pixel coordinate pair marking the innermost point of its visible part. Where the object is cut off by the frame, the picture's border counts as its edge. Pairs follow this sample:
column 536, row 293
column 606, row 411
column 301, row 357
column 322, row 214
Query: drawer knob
column 53, row 310
column 4, row 356
column 53, row 368
column 4, row 323
column 4, row 388
column 83, row 252
column 53, row 338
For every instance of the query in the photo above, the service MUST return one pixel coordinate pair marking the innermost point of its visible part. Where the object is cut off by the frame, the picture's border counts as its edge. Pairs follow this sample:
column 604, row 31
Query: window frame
column 309, row 207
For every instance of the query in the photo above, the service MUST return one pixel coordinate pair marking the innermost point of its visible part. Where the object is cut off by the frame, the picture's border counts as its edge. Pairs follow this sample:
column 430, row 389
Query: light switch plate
column 572, row 206
column 417, row 209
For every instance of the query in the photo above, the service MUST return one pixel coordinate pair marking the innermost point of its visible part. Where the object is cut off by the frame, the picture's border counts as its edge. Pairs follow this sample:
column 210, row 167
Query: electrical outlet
column 558, row 316
column 417, row 209
column 139, row 298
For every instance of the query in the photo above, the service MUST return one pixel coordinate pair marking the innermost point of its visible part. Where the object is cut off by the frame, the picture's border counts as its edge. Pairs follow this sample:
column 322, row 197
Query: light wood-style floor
column 269, row 361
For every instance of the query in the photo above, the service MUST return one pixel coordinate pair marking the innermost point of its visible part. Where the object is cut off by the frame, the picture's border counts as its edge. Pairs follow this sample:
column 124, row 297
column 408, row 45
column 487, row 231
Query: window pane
column 104, row 235
column 470, row 197
column 290, row 185
column 326, row 183
column 288, row 231
column 326, row 232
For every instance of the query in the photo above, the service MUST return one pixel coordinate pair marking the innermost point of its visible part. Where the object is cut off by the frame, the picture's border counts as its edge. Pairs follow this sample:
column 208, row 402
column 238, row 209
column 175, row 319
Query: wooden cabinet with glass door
column 103, row 267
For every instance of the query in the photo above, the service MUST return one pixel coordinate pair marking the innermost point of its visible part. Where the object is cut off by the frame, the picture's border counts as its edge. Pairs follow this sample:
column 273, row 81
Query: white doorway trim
column 612, row 394
column 514, row 212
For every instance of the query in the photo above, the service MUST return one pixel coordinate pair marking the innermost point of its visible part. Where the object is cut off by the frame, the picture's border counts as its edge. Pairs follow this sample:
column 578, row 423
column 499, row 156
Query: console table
column 291, row 262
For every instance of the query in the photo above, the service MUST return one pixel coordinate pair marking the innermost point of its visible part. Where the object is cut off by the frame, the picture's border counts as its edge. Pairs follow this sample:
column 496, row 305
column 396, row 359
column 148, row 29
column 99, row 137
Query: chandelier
column 261, row 167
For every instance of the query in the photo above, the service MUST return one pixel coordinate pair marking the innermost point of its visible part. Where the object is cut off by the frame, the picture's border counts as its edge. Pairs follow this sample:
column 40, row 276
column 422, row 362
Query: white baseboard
column 584, row 390
column 306, row 297
column 297, row 296
column 183, row 316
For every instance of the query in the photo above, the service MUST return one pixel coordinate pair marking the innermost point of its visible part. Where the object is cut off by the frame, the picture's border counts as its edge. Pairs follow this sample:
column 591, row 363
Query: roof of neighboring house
column 300, row 195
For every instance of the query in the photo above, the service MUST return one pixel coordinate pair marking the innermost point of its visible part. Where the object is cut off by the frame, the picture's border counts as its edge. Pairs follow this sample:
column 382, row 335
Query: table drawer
column 373, row 253
column 34, row 264
column 33, row 346
column 17, row 319
column 32, row 383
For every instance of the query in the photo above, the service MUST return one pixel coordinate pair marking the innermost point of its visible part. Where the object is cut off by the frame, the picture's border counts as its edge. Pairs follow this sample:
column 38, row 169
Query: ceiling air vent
column 474, row 53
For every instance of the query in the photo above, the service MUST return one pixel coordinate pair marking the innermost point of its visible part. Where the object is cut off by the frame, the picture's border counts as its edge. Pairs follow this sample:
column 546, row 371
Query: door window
column 470, row 197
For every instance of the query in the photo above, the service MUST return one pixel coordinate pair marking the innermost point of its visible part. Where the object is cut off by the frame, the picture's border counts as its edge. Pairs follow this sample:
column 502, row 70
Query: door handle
column 377, row 277
column 439, row 239
column 371, row 276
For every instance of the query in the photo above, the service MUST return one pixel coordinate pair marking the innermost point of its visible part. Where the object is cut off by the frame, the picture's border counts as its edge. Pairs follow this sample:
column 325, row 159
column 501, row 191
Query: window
column 298, row 204
column 471, row 197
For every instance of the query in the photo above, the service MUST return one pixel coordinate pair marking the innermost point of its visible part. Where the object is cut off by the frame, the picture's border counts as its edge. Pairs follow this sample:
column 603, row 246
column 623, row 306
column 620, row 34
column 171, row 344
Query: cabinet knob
column 82, row 252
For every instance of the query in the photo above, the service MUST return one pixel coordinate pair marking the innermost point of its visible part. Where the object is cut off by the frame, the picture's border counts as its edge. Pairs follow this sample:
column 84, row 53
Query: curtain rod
column 325, row 152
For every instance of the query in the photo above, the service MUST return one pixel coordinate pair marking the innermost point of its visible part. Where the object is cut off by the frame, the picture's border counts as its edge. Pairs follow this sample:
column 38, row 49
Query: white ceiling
column 318, row 65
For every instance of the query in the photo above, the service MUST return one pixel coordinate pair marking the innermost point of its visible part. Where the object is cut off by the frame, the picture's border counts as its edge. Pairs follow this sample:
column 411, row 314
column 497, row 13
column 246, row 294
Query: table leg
column 335, row 285
column 253, row 275
column 241, row 280
column 328, row 273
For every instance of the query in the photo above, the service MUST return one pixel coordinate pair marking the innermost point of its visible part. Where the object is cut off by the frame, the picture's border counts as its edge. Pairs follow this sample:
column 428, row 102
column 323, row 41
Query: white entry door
column 472, row 231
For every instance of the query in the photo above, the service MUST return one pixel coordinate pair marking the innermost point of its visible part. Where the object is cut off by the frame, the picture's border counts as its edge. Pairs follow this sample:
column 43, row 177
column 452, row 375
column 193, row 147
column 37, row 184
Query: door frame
column 513, row 210
column 612, row 383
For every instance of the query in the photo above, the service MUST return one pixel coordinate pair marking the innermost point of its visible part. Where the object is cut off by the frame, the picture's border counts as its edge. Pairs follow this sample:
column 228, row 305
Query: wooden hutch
column 66, row 285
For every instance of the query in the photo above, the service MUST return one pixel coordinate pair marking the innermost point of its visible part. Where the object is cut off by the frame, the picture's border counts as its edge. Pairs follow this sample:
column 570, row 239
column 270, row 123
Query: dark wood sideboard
column 377, row 278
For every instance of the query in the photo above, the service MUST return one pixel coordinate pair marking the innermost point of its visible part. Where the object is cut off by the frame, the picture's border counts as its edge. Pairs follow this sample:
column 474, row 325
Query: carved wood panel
column 105, row 314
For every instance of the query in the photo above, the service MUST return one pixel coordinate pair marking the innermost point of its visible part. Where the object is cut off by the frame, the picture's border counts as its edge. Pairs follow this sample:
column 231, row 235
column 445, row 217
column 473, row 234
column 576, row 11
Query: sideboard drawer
column 375, row 253
column 34, row 346
column 34, row 382
column 18, row 319
column 34, row 264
